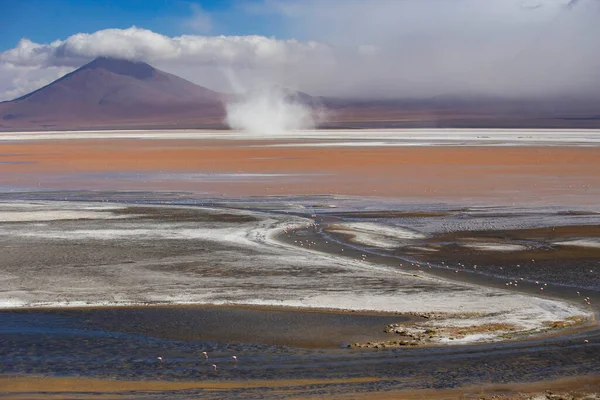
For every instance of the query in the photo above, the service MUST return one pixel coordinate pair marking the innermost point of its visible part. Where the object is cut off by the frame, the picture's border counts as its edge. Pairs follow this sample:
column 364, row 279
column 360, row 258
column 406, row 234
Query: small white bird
column 234, row 358
column 205, row 355
column 214, row 367
column 160, row 359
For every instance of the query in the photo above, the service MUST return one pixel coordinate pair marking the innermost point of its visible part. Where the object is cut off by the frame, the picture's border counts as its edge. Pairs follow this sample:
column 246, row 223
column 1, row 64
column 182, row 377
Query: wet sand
column 50, row 388
column 66, row 385
column 282, row 326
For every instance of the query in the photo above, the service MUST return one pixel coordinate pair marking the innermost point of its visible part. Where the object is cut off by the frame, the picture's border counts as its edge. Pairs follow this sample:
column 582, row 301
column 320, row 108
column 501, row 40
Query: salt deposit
column 375, row 235
column 323, row 137
column 235, row 263
column 588, row 242
column 495, row 246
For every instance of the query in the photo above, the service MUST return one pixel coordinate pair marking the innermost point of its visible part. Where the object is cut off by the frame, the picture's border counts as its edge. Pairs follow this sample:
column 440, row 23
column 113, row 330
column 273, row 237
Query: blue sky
column 44, row 21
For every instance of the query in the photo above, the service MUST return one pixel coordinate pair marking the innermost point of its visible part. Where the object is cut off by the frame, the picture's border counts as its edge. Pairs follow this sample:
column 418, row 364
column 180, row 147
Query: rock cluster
column 383, row 344
column 410, row 336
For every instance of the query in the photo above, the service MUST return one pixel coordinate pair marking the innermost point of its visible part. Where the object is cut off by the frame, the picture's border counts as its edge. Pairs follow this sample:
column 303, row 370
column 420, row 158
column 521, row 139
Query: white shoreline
column 583, row 242
column 371, row 234
column 331, row 137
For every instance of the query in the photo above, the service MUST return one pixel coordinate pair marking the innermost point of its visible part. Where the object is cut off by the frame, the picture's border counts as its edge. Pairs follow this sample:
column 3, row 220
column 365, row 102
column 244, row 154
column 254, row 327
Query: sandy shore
column 51, row 388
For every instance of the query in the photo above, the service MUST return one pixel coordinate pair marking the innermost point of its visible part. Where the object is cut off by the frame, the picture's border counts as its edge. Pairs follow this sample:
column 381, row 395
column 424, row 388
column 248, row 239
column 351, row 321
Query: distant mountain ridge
column 110, row 93
column 113, row 91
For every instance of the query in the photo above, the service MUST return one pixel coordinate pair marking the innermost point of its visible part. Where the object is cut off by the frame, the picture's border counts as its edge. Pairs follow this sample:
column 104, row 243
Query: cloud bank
column 374, row 49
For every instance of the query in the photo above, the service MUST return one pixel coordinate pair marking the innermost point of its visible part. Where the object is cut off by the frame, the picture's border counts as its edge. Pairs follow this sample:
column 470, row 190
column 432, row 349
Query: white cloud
column 403, row 48
column 142, row 44
column 266, row 56
column 16, row 81
column 439, row 47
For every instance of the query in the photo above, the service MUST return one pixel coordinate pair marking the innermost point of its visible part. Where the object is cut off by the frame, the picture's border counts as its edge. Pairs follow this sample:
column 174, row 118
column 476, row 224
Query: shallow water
column 83, row 343
column 124, row 343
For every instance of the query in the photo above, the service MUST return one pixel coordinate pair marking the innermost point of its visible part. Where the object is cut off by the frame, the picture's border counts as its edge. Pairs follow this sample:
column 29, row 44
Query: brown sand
column 562, row 174
column 24, row 387
column 42, row 384
column 517, row 391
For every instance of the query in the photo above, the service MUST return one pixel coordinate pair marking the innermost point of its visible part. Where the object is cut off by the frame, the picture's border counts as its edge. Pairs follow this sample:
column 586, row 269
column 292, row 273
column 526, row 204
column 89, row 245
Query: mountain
column 119, row 94
column 463, row 112
column 114, row 93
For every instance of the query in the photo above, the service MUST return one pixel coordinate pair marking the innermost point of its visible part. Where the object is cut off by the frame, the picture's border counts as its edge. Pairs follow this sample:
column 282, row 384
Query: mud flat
column 536, row 246
column 61, row 254
column 99, row 290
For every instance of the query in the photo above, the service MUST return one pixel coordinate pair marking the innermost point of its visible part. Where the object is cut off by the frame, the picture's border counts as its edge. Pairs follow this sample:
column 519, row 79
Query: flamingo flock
column 460, row 266
column 515, row 283
column 234, row 361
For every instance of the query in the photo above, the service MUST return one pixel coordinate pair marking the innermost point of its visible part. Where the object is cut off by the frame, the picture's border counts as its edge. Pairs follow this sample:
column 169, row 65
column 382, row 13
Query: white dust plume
column 272, row 110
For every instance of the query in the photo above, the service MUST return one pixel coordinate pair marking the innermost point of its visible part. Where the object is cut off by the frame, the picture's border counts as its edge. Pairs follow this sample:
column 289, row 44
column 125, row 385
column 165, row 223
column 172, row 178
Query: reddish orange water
column 568, row 175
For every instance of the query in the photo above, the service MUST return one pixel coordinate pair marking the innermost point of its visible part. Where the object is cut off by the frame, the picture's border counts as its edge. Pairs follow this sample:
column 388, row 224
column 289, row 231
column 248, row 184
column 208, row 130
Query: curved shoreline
column 268, row 233
column 587, row 323
column 397, row 369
